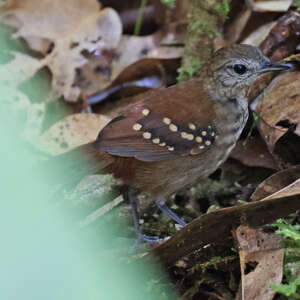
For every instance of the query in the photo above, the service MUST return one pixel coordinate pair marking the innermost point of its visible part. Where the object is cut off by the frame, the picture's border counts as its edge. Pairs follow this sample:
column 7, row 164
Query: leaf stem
column 138, row 23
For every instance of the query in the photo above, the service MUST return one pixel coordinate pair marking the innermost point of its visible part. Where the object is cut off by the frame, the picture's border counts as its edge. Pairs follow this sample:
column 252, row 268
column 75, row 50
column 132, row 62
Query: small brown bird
column 180, row 134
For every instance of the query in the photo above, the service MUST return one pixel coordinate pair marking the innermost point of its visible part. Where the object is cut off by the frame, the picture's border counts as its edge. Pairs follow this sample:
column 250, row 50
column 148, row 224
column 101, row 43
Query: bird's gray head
column 231, row 70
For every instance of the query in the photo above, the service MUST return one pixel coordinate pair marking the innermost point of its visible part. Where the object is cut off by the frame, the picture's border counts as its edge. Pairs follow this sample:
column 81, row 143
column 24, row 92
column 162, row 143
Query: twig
column 138, row 23
column 101, row 211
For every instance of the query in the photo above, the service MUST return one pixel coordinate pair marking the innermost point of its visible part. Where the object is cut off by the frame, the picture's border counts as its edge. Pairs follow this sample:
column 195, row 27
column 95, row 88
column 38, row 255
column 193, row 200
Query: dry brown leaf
column 258, row 36
column 254, row 154
column 71, row 132
column 263, row 252
column 46, row 19
column 104, row 68
column 283, row 38
column 279, row 116
column 276, row 6
column 72, row 27
column 290, row 190
column 215, row 228
column 12, row 74
column 281, row 184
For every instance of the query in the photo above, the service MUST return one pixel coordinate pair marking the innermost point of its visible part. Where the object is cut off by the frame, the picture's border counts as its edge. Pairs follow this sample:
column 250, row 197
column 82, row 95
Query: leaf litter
column 83, row 46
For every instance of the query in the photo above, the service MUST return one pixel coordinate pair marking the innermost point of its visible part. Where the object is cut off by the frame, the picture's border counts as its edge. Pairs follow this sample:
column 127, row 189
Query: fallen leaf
column 256, row 37
column 257, row 88
column 105, row 67
column 72, row 27
column 12, row 74
column 71, row 132
column 283, row 39
column 290, row 190
column 279, row 118
column 254, row 154
column 276, row 6
column 141, row 76
column 214, row 229
column 264, row 254
column 286, row 182
column 46, row 19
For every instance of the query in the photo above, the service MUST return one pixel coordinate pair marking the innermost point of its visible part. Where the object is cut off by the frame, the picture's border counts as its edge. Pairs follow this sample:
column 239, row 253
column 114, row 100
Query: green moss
column 223, row 9
column 213, row 262
column 297, row 4
column 291, row 268
column 169, row 3
column 205, row 21
column 200, row 26
column 201, row 23
column 207, row 188
column 292, row 57
column 289, row 290
column 187, row 72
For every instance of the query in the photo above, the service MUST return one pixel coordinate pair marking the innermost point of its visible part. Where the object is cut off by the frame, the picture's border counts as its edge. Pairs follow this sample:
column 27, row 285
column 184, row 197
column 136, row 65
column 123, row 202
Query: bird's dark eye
column 239, row 69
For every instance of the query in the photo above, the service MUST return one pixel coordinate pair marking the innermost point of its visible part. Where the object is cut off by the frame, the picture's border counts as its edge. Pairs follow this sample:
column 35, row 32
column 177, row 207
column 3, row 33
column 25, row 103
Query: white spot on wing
column 145, row 111
column 167, row 121
column 137, row 127
column 173, row 127
column 147, row 135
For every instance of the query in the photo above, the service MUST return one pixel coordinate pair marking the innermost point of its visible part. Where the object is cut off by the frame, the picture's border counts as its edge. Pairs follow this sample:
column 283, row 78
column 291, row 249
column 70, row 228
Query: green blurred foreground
column 43, row 255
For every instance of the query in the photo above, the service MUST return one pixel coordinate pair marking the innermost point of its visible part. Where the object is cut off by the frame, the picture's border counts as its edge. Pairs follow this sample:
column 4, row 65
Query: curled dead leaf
column 105, row 67
column 72, row 27
column 279, row 116
column 259, row 35
column 283, row 39
column 281, row 184
column 12, row 74
column 44, row 19
column 254, row 154
column 71, row 132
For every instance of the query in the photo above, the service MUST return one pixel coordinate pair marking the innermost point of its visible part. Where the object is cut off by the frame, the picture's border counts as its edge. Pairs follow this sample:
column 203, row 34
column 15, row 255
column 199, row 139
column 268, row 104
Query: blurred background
column 44, row 254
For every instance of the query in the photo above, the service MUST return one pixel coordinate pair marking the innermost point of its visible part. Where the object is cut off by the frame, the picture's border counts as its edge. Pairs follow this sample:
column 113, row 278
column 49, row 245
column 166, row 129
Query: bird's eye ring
column 239, row 69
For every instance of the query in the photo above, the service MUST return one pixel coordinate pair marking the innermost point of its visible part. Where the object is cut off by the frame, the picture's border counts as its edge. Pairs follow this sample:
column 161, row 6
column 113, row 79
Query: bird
column 176, row 136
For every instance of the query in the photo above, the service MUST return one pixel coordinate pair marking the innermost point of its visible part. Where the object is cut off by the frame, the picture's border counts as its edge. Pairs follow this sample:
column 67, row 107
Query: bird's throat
column 233, row 115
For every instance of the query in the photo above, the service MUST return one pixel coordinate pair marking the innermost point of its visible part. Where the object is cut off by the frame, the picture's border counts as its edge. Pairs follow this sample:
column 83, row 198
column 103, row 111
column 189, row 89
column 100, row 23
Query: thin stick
column 100, row 211
column 138, row 23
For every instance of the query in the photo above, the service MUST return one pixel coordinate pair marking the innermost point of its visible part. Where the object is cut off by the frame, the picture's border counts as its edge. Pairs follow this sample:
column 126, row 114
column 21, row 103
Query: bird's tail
column 69, row 168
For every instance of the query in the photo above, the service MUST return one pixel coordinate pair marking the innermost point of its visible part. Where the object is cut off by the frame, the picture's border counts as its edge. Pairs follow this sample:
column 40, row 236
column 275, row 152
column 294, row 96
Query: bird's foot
column 146, row 239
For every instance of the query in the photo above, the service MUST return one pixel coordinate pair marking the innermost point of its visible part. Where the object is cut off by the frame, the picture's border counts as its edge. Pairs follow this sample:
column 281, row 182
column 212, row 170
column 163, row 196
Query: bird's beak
column 273, row 66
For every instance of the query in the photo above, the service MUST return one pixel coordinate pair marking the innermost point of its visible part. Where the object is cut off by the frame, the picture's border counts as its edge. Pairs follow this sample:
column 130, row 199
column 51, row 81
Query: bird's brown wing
column 176, row 121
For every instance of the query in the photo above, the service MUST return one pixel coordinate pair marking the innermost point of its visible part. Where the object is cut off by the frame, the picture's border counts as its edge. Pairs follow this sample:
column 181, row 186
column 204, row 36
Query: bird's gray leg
column 141, row 238
column 165, row 209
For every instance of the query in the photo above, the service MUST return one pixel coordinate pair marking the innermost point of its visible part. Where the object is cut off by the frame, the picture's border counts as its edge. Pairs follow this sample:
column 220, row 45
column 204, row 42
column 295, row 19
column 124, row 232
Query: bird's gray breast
column 233, row 116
